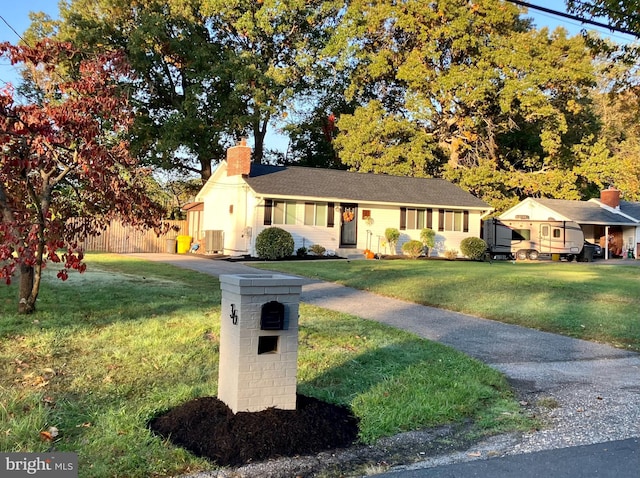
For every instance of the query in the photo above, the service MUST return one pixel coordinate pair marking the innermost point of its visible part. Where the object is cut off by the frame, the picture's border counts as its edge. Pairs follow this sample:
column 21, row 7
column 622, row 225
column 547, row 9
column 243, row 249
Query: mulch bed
column 208, row 428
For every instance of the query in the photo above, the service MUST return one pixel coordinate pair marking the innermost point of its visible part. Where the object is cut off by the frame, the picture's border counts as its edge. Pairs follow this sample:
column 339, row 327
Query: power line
column 569, row 22
column 607, row 10
column 14, row 30
column 575, row 17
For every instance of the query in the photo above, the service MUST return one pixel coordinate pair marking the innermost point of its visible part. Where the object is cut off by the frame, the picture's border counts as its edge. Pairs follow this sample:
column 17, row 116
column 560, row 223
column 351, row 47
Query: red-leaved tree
column 65, row 169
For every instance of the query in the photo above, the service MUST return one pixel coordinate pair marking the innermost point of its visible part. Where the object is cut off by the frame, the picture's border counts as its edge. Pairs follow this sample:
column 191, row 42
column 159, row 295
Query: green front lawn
column 582, row 300
column 111, row 348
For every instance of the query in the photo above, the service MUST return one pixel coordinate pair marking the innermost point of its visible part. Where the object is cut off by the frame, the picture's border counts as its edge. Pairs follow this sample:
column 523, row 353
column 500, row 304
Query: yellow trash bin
column 184, row 243
column 555, row 257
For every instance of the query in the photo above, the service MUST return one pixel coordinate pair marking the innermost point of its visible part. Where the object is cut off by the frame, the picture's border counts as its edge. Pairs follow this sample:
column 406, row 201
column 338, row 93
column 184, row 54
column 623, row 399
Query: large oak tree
column 467, row 90
column 208, row 71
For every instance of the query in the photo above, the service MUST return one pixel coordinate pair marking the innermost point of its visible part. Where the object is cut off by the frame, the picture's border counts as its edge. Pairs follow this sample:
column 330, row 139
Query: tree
column 467, row 91
column 611, row 158
column 621, row 13
column 186, row 112
column 208, row 71
column 64, row 158
column 276, row 47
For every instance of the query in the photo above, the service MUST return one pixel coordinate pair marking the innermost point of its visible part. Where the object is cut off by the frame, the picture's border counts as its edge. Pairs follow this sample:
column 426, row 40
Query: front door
column 348, row 222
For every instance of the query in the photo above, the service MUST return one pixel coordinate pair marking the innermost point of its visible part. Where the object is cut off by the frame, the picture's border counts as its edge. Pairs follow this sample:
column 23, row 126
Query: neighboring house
column 608, row 221
column 343, row 211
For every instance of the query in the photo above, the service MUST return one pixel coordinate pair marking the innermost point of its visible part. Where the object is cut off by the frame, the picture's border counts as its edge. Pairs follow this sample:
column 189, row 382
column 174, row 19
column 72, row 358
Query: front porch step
column 350, row 253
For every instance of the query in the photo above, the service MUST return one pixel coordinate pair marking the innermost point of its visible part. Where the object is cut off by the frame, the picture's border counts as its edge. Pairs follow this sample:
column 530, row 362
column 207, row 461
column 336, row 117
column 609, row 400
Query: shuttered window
column 268, row 208
column 412, row 218
column 456, row 221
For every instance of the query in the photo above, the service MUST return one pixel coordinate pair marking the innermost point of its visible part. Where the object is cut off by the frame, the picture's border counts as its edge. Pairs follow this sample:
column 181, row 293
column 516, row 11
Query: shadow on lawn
column 100, row 298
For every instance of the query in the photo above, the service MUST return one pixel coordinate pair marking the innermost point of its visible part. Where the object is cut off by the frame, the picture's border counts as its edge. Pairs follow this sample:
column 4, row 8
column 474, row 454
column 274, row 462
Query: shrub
column 274, row 243
column 428, row 237
column 412, row 249
column 391, row 234
column 301, row 252
column 451, row 254
column 473, row 247
column 317, row 249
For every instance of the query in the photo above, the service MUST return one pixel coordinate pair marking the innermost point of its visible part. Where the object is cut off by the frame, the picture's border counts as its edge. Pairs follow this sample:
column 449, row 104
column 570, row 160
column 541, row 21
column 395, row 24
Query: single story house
column 608, row 221
column 345, row 212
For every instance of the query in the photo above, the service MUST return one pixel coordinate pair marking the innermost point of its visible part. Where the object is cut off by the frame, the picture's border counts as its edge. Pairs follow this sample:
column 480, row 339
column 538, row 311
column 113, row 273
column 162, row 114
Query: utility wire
column 615, row 36
column 607, row 10
column 575, row 17
column 14, row 30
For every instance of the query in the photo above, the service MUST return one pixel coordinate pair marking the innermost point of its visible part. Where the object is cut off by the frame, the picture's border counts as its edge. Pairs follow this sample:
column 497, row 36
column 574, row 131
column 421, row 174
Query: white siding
column 226, row 208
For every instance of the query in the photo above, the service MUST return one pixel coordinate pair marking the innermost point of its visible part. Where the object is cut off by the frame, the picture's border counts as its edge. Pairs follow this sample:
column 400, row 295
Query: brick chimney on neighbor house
column 610, row 197
column 239, row 159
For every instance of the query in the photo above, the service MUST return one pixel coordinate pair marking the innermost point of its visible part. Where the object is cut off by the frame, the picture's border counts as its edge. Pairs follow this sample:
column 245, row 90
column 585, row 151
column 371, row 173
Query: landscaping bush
column 274, row 243
column 317, row 249
column 451, row 254
column 473, row 247
column 301, row 252
column 428, row 237
column 391, row 234
column 412, row 249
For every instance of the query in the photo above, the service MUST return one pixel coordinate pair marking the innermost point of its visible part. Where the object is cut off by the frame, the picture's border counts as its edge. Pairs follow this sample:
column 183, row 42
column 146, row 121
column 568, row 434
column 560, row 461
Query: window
column 315, row 214
column 412, row 218
column 557, row 233
column 520, row 235
column 453, row 221
column 284, row 212
column 290, row 213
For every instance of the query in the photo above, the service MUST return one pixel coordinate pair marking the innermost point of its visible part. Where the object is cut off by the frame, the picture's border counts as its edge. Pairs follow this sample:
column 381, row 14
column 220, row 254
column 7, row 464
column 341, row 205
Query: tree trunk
column 27, row 302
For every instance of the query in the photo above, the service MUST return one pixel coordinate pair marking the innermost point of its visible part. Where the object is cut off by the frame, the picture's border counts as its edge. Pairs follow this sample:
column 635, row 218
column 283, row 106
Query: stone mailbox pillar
column 259, row 341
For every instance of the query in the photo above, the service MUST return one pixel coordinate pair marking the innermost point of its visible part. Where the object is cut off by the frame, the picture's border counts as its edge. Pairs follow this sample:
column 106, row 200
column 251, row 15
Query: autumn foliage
column 63, row 157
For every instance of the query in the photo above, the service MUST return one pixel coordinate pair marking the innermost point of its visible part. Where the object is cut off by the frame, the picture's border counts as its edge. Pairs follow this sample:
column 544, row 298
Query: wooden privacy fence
column 122, row 239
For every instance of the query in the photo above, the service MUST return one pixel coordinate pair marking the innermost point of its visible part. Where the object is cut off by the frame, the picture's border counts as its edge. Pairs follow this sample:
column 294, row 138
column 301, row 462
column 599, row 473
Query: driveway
column 593, row 389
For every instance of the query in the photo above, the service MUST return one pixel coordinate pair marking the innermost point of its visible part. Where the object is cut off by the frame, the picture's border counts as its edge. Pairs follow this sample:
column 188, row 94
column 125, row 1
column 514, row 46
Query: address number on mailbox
column 272, row 316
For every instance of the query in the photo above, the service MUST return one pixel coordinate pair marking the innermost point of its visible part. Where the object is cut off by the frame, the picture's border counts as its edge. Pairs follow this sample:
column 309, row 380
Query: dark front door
column 348, row 222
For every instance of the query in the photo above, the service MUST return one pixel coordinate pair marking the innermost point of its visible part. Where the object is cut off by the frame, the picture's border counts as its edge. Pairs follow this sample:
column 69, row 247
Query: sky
column 15, row 16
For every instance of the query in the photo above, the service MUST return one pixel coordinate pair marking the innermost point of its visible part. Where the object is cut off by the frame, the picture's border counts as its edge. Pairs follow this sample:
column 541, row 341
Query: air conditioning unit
column 214, row 241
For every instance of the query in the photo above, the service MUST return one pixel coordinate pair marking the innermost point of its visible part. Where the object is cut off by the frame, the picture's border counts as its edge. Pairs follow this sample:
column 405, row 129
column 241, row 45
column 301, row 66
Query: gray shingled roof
column 332, row 184
column 585, row 212
column 631, row 209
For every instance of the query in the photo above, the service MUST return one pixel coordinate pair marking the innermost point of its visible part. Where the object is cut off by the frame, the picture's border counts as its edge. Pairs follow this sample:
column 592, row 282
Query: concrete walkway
column 596, row 387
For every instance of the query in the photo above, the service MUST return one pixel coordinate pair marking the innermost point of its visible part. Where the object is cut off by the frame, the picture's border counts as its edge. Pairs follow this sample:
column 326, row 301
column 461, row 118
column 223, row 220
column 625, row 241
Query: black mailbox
column 272, row 316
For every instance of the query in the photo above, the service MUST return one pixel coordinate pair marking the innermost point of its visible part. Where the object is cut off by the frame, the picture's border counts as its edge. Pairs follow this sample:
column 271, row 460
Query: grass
column 110, row 349
column 598, row 303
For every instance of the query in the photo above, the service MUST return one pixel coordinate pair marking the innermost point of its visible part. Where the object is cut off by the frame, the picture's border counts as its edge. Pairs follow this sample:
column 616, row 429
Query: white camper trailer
column 527, row 239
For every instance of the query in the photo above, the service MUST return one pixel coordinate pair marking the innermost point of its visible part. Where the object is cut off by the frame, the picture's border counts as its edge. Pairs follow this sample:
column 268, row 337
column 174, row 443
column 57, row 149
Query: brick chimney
column 610, row 197
column 239, row 159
